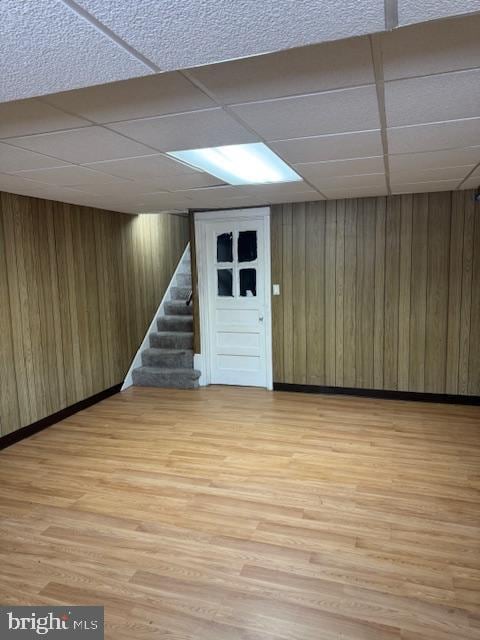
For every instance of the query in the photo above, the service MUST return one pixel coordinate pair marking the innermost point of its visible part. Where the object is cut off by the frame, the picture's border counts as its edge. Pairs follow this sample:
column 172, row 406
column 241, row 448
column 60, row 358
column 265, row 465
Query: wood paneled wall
column 378, row 293
column 78, row 289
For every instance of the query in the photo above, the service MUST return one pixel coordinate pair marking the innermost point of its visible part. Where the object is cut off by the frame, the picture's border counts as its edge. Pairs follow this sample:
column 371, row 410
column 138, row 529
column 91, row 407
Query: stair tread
column 194, row 373
column 173, row 333
column 166, row 351
column 175, row 316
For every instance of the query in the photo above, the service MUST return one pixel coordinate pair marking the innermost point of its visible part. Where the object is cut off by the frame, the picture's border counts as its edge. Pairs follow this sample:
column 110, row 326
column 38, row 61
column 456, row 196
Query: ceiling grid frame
column 97, row 24
column 377, row 61
column 391, row 8
column 186, row 74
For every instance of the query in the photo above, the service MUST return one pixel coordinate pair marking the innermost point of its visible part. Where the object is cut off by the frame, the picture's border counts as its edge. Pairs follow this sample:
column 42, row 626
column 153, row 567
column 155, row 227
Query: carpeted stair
column 168, row 362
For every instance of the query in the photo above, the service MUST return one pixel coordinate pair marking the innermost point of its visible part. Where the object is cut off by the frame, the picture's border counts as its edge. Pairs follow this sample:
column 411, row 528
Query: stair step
column 171, row 378
column 180, row 293
column 175, row 323
column 171, row 339
column 168, row 358
column 178, row 308
column 184, row 280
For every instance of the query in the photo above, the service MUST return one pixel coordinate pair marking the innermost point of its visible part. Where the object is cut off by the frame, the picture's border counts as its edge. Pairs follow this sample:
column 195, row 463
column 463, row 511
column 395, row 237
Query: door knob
column 260, row 319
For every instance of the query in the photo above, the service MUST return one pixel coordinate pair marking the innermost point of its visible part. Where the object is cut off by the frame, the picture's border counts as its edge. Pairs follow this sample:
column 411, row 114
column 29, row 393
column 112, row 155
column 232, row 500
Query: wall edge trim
column 385, row 394
column 29, row 430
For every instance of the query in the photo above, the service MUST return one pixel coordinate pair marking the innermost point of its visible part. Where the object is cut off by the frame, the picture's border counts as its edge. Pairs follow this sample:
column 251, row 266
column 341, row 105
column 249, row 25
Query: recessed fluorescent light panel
column 239, row 164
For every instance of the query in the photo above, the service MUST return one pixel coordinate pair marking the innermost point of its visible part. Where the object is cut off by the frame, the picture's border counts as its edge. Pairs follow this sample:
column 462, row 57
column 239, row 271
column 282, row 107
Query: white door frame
column 202, row 272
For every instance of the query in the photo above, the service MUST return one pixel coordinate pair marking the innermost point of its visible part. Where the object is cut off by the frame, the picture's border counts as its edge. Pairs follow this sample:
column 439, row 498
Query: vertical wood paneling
column 315, row 291
column 437, row 291
column 418, row 295
column 10, row 411
column 467, row 284
column 288, row 283
column 78, row 288
column 379, row 304
column 390, row 288
column 276, row 226
column 299, row 304
column 330, row 293
column 19, row 320
column 392, row 291
column 349, row 300
column 339, row 292
column 365, row 291
column 455, row 291
column 404, row 291
column 474, row 355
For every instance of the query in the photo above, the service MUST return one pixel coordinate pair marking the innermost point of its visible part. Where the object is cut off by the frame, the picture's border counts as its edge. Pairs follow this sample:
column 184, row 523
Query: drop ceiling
column 397, row 112
column 56, row 45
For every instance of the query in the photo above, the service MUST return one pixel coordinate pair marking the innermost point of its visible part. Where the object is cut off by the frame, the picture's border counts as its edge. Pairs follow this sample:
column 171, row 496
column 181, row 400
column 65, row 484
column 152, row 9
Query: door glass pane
column 247, row 246
column 225, row 282
column 225, row 247
column 248, row 282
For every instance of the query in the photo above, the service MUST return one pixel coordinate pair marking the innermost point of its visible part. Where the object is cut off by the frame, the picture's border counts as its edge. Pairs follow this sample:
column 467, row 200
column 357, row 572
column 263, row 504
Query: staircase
column 168, row 361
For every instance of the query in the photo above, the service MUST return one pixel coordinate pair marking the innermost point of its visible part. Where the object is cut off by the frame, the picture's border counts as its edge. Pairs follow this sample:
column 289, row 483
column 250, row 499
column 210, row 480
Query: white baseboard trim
column 137, row 361
column 198, row 363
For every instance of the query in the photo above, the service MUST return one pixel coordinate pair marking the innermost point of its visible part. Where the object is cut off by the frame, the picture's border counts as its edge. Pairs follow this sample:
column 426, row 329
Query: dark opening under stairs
column 168, row 361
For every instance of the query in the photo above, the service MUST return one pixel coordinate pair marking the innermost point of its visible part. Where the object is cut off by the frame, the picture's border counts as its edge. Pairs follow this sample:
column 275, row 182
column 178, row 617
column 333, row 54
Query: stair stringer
column 137, row 361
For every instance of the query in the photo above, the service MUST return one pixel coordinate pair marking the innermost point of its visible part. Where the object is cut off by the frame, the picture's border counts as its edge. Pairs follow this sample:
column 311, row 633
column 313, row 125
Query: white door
column 236, row 268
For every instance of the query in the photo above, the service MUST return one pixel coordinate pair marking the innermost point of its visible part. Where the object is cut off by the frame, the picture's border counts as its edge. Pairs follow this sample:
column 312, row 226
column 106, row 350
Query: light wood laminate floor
column 241, row 514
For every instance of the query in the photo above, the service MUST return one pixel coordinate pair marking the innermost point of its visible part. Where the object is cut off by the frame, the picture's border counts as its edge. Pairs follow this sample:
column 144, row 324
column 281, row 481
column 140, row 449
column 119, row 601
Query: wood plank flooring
column 242, row 514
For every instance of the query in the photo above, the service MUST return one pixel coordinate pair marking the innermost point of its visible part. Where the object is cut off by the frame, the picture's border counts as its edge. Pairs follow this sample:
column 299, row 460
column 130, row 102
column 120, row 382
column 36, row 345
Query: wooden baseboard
column 379, row 393
column 35, row 427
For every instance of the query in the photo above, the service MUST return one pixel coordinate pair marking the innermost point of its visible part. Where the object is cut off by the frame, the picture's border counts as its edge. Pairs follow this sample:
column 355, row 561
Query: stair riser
column 180, row 293
column 178, row 309
column 169, row 361
column 184, row 280
column 171, row 342
column 169, row 323
column 142, row 379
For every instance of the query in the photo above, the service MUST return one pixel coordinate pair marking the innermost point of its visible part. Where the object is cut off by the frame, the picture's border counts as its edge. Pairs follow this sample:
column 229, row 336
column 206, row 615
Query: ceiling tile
column 448, row 96
column 119, row 189
column 190, row 33
column 271, row 197
column 425, row 187
column 161, row 199
column 16, row 184
column 47, row 47
column 209, row 128
column 166, row 183
column 430, row 137
column 24, row 117
column 330, row 112
column 15, row 159
column 85, row 145
column 330, row 147
column 417, row 175
column 21, row 186
column 431, row 48
column 355, row 192
column 211, row 194
column 348, row 182
column 154, row 95
column 471, row 183
column 69, row 175
column 142, row 167
column 410, row 11
column 282, row 188
column 434, row 159
column 330, row 65
column 318, row 170
column 188, row 181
